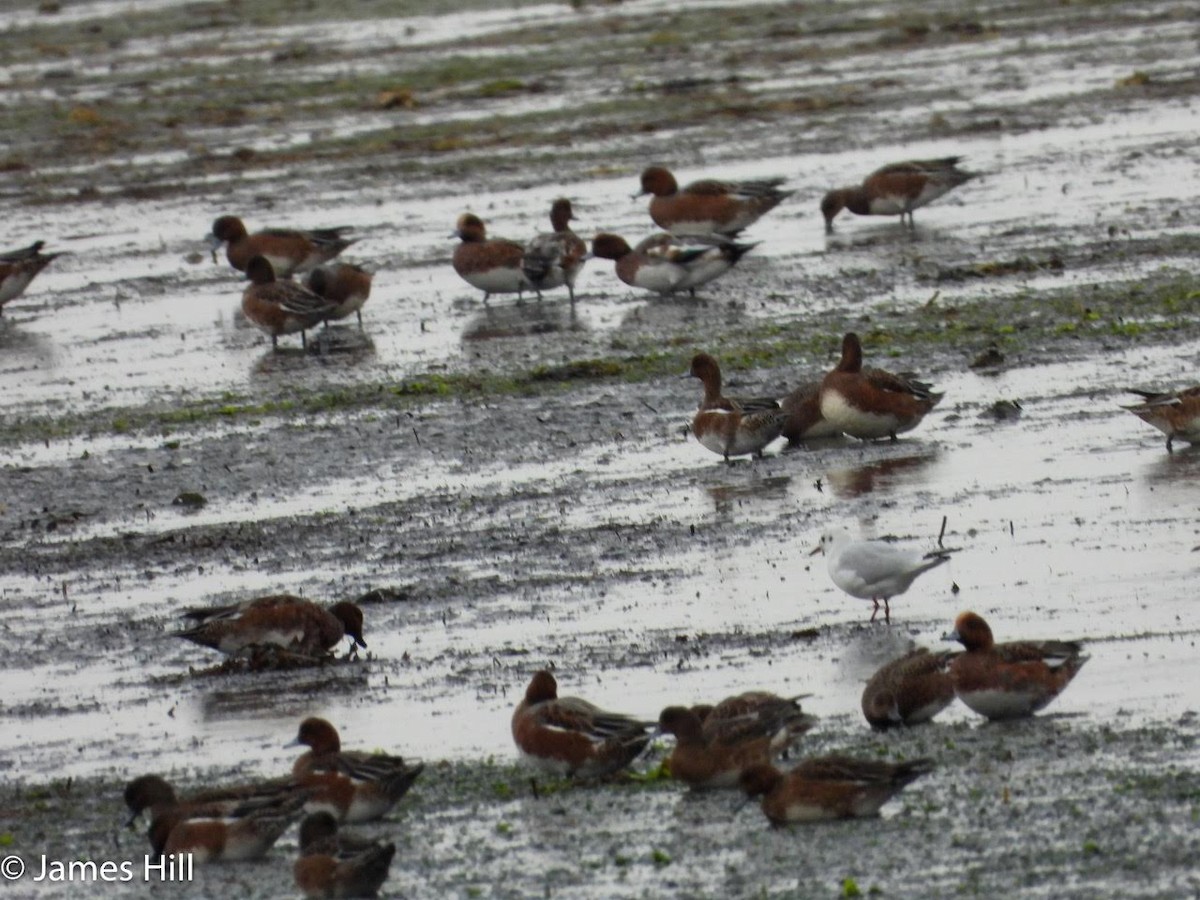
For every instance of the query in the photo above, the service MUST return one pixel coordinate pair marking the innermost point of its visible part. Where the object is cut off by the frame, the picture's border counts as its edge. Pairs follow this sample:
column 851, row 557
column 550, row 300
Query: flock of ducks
column 326, row 788
column 700, row 223
column 734, row 743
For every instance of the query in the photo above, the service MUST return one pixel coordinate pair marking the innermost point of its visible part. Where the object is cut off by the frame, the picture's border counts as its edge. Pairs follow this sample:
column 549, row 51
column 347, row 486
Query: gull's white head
column 830, row 539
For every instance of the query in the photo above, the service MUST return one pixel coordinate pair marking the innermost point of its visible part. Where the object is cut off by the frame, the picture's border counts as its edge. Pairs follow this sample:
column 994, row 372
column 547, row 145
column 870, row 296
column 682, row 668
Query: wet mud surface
column 510, row 486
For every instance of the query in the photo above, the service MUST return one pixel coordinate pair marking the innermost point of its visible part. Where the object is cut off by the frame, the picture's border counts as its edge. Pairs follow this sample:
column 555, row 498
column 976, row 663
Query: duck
column 553, row 259
column 732, row 426
column 289, row 250
column 568, row 736
column 715, row 744
column 333, row 863
column 351, row 786
column 1176, row 414
column 293, row 624
column 908, row 690
column 213, row 830
column 1010, row 680
column 897, row 189
column 829, row 787
column 666, row 264
column 281, row 307
column 869, row 404
column 708, row 206
column 493, row 265
column 19, row 267
column 345, row 285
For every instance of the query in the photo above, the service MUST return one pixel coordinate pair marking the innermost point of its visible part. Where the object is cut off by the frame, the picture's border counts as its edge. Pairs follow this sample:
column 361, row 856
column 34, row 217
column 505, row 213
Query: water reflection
column 343, row 346
column 531, row 317
column 21, row 348
column 670, row 314
column 1181, row 468
column 726, row 497
column 284, row 694
column 859, row 480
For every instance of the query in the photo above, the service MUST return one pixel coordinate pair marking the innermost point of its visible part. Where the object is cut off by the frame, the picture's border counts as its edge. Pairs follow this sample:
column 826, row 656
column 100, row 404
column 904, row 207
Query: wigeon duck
column 19, row 267
column 228, row 830
column 344, row 284
column 555, row 258
column 287, row 249
column 281, row 307
column 897, row 189
column 493, row 265
column 713, row 745
column 909, row 690
column 732, row 426
column 804, row 421
column 293, row 624
column 1010, row 680
column 829, row 787
column 353, row 786
column 1176, row 415
column 665, row 264
column 871, row 403
column 875, row 570
column 708, row 206
column 146, row 792
column 334, row 864
column 569, row 736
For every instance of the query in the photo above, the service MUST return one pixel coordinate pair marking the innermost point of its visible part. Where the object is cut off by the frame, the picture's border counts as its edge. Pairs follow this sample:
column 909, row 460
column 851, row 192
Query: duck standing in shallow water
column 1177, row 415
column 555, row 258
column 282, row 621
column 493, row 265
column 666, row 264
column 870, row 403
column 1010, row 680
column 708, row 206
column 732, row 426
column 804, row 419
column 343, row 284
column 281, row 307
column 897, row 189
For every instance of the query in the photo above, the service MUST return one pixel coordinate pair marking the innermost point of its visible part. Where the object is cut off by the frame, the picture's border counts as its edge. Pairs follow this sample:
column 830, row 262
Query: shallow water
column 578, row 526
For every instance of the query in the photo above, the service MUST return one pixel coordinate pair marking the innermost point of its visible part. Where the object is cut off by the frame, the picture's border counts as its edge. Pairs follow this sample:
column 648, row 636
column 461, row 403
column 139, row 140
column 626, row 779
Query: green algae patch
column 577, row 370
column 1163, row 308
